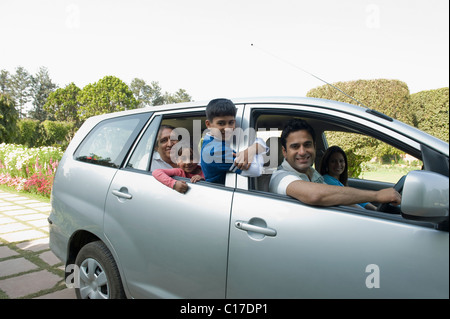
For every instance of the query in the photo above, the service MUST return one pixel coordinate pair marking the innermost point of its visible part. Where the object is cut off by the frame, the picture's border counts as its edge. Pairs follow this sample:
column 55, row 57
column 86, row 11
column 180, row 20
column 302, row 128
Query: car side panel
column 170, row 245
column 78, row 200
column 331, row 253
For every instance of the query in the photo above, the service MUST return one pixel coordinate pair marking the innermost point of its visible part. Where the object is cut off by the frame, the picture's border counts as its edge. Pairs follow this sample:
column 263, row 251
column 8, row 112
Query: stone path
column 28, row 268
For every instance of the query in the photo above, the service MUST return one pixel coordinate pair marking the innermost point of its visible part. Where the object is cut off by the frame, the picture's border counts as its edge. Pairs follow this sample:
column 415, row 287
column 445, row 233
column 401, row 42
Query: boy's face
column 222, row 127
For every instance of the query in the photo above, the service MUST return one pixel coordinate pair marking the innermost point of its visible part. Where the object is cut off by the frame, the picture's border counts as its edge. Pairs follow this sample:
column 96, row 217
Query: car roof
column 363, row 112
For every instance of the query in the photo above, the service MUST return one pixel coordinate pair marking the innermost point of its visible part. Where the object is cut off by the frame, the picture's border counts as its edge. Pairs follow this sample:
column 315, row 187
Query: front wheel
column 99, row 277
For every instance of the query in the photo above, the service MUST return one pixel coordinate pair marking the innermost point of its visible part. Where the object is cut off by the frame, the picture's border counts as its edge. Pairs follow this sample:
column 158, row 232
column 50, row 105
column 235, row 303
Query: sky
column 229, row 48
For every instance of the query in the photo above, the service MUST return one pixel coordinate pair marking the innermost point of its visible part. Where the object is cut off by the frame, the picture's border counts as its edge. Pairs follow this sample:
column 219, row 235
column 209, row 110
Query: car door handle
column 255, row 229
column 121, row 194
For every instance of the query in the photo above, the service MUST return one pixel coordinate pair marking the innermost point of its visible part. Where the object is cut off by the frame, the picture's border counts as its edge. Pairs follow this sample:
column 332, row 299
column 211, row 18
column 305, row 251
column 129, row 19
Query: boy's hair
column 220, row 107
column 294, row 125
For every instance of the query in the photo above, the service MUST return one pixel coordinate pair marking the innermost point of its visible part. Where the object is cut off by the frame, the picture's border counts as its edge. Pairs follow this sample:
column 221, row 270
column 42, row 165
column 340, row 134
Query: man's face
column 165, row 142
column 300, row 151
column 222, row 127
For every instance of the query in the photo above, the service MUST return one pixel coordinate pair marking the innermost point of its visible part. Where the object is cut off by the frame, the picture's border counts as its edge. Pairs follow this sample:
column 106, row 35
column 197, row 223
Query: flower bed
column 29, row 169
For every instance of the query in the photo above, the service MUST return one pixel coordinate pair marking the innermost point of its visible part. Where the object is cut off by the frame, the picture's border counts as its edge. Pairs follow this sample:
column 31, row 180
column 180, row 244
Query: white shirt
column 286, row 174
column 158, row 162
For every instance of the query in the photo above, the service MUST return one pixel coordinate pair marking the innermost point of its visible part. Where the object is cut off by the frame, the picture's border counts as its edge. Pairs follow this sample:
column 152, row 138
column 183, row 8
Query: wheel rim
column 93, row 280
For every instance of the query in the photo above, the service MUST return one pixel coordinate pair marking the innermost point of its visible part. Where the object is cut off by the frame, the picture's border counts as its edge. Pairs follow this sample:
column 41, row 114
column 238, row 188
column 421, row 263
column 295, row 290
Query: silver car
column 123, row 234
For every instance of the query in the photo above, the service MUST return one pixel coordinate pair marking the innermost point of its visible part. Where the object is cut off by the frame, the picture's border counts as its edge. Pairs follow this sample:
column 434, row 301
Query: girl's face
column 187, row 162
column 336, row 165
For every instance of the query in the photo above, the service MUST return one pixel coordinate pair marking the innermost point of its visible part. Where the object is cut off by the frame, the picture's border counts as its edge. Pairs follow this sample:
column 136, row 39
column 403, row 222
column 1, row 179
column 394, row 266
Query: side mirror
column 425, row 197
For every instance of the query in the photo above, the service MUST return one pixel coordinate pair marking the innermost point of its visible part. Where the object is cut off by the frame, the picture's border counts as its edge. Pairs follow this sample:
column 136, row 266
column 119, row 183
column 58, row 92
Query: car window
column 140, row 158
column 108, row 142
column 372, row 159
column 189, row 128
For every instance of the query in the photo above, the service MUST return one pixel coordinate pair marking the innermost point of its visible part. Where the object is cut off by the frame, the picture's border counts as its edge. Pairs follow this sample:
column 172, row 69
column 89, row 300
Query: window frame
column 162, row 117
column 333, row 118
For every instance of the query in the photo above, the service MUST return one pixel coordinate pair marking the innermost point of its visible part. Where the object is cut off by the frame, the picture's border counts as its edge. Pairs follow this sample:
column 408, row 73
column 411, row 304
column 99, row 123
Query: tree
column 158, row 97
column 8, row 119
column 5, row 82
column 41, row 87
column 142, row 92
column 107, row 95
column 63, row 105
column 147, row 94
column 150, row 94
column 178, row 97
column 20, row 89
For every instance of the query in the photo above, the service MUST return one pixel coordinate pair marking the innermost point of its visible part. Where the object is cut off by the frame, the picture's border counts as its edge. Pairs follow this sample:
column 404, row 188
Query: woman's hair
column 323, row 169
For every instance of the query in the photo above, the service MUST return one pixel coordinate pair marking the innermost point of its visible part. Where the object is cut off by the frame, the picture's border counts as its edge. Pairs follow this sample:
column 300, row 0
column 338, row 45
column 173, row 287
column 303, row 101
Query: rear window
column 109, row 141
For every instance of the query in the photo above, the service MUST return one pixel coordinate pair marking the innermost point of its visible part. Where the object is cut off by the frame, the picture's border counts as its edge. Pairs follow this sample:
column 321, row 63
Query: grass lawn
column 386, row 173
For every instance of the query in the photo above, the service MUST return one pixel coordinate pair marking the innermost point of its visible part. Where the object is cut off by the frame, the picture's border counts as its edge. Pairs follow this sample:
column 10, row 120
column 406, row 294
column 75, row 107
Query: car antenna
column 301, row 69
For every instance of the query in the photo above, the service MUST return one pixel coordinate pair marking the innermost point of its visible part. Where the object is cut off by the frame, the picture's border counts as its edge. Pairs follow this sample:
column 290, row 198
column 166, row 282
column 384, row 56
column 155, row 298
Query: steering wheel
column 387, row 207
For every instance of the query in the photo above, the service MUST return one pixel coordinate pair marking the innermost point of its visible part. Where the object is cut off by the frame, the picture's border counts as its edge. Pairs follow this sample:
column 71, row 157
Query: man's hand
column 389, row 195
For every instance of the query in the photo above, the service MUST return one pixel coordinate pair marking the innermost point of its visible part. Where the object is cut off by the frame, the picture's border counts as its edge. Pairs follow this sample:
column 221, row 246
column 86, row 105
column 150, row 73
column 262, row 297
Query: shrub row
column 426, row 110
column 32, row 133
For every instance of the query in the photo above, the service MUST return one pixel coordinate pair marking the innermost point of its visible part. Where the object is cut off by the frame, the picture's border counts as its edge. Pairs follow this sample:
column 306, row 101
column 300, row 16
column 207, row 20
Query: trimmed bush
column 430, row 112
column 29, row 132
column 390, row 97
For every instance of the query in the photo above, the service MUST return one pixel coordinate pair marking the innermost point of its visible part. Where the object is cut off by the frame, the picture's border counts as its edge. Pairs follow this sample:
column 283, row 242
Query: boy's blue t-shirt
column 217, row 157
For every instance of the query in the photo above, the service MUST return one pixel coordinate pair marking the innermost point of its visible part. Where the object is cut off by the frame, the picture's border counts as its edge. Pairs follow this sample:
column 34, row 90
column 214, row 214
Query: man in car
column 161, row 156
column 295, row 174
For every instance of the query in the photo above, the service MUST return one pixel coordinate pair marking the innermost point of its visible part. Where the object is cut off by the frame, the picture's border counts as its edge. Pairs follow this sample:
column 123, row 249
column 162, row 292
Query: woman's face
column 336, row 165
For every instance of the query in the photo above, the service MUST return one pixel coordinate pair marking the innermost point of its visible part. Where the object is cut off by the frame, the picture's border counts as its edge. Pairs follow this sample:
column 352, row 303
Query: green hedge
column 430, row 111
column 426, row 110
column 33, row 133
column 390, row 97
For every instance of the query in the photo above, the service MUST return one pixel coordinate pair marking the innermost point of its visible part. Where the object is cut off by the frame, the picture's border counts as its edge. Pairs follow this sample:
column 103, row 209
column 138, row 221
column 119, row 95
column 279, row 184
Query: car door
column 282, row 248
column 168, row 245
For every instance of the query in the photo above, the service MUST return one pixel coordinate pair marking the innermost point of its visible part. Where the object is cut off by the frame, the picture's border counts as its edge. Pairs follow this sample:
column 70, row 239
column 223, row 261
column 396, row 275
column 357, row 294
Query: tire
column 99, row 277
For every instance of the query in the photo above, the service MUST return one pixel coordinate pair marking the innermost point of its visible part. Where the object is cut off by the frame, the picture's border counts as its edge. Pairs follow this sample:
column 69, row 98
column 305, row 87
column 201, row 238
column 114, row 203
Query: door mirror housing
column 425, row 197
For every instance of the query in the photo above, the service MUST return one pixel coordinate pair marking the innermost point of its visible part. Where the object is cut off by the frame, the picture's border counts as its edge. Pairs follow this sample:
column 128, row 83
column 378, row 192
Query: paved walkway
column 28, row 268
